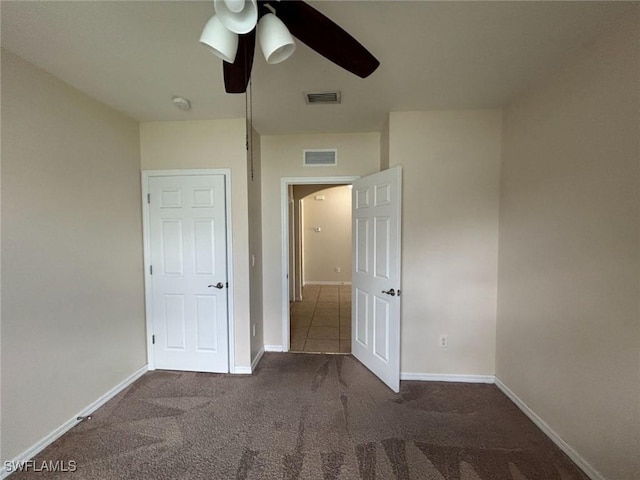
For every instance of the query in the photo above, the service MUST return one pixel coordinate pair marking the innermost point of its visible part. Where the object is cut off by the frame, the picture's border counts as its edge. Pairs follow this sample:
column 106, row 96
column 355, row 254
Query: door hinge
column 150, row 269
column 153, row 339
column 148, row 198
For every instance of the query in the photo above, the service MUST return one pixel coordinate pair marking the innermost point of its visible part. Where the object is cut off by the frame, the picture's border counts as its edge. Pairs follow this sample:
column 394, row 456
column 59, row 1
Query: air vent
column 320, row 158
column 322, row 97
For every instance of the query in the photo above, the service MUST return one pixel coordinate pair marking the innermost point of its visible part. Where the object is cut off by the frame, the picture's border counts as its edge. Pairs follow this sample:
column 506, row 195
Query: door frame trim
column 284, row 215
column 146, row 175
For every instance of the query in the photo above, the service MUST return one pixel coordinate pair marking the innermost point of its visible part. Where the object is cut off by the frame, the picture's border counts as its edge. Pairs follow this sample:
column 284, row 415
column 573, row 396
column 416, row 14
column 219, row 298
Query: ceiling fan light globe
column 221, row 41
column 234, row 5
column 281, row 54
column 275, row 40
column 239, row 22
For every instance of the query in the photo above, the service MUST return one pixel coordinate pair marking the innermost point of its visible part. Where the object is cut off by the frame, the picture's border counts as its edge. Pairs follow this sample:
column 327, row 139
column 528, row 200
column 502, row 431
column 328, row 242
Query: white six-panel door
column 188, row 262
column 375, row 335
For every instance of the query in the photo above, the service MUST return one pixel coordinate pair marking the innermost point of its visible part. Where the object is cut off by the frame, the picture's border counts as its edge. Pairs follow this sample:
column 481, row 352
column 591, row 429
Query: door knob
column 391, row 292
column 218, row 285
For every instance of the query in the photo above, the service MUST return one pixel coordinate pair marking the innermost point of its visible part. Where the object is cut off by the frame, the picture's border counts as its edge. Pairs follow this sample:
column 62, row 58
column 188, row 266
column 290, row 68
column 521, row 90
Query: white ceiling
column 136, row 55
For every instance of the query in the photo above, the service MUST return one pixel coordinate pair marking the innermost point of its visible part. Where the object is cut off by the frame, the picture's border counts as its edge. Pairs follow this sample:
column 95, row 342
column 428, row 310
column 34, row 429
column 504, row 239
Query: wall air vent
column 322, row 98
column 320, row 158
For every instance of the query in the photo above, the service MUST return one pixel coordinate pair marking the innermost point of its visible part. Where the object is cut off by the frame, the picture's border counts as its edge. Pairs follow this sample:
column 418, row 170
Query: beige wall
column 298, row 193
column 72, row 273
column 384, row 146
column 212, row 144
column 358, row 154
column 451, row 162
column 568, row 316
column 255, row 246
column 2, row 457
column 331, row 247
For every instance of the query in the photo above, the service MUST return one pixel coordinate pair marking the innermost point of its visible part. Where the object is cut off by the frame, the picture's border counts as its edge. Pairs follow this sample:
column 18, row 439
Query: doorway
column 376, row 231
column 320, row 268
column 291, row 274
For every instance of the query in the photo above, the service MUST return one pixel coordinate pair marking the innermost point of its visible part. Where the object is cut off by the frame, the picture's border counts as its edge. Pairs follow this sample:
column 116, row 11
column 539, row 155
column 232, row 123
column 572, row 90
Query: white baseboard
column 47, row 440
column 549, row 432
column 440, row 377
column 273, row 348
column 237, row 370
column 321, row 282
column 256, row 360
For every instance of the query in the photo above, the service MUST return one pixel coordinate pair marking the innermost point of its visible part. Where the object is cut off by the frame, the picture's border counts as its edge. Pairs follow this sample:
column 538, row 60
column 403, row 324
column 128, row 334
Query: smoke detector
column 182, row 103
column 322, row 97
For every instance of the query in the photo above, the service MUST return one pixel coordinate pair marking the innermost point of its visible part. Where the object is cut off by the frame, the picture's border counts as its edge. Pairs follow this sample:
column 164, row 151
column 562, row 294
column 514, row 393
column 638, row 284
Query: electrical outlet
column 444, row 341
column 338, row 269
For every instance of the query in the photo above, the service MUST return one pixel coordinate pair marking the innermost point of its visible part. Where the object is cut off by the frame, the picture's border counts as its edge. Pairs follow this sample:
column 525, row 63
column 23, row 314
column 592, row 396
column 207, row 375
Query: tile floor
column 321, row 322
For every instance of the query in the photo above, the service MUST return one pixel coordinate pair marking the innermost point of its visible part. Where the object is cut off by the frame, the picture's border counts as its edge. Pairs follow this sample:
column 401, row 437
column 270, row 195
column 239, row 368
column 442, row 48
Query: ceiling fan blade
column 325, row 37
column 238, row 73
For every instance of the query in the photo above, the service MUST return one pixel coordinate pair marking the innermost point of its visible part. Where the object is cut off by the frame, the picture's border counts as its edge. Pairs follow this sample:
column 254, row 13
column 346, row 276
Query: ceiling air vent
column 320, row 158
column 322, row 97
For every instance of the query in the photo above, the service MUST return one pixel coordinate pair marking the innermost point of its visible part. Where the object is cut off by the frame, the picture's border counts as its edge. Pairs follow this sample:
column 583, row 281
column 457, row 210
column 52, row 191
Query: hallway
column 321, row 322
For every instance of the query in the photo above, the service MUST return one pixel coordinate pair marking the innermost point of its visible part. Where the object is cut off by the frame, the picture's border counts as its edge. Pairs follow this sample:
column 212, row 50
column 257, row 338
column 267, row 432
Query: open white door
column 188, row 263
column 377, row 202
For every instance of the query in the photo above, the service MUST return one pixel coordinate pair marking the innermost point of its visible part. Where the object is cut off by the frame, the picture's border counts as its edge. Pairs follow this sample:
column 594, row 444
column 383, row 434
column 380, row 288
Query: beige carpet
column 306, row 417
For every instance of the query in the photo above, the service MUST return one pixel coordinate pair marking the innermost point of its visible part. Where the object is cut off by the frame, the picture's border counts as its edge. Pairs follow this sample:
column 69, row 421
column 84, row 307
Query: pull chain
column 248, row 109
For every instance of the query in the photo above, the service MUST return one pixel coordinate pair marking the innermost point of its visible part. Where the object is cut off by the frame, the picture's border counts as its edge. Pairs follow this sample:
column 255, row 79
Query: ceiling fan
column 232, row 31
